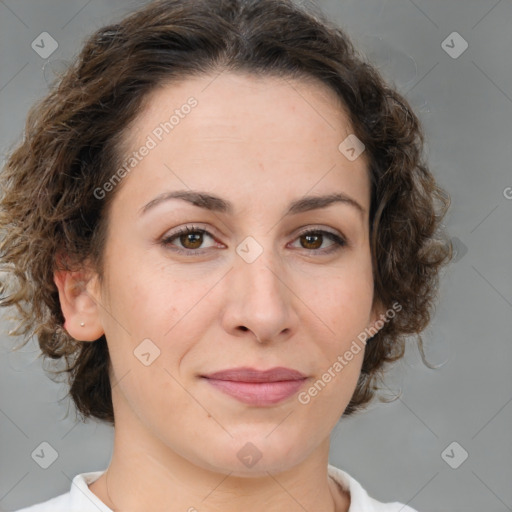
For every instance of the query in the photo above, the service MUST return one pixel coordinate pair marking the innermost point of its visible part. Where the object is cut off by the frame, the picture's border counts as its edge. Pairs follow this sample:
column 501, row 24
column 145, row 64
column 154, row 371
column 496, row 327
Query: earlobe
column 79, row 304
column 378, row 312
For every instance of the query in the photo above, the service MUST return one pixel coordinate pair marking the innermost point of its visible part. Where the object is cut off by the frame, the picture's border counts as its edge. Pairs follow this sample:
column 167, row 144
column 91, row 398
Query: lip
column 246, row 374
column 257, row 387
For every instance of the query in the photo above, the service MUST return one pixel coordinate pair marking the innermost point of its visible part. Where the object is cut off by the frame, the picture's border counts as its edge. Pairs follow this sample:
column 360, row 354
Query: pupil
column 192, row 238
column 309, row 237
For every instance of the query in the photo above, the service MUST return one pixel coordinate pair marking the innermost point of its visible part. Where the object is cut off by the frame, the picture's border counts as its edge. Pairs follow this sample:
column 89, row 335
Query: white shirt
column 81, row 499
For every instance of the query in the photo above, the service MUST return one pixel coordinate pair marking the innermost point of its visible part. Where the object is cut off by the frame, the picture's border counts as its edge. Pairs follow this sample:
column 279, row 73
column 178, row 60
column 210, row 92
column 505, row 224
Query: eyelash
column 338, row 244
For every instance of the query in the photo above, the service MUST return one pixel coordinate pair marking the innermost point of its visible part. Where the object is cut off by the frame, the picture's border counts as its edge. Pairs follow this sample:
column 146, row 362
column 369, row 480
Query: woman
column 221, row 220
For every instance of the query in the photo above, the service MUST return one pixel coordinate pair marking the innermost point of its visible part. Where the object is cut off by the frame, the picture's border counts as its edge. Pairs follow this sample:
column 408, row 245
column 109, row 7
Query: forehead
column 242, row 105
column 239, row 132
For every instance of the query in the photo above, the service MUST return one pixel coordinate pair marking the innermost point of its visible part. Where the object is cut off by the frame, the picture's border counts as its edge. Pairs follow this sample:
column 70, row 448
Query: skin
column 259, row 143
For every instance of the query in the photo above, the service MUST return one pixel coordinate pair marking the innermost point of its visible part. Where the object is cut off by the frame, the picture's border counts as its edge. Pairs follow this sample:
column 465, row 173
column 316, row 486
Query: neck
column 138, row 480
column 148, row 473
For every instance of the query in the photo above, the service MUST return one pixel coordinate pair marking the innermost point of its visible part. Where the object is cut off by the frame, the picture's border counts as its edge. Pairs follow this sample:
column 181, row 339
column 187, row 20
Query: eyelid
column 184, row 229
column 338, row 238
column 313, row 227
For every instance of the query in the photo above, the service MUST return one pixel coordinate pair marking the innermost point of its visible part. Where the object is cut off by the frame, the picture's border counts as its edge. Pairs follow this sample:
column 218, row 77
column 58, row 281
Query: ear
column 79, row 302
column 377, row 316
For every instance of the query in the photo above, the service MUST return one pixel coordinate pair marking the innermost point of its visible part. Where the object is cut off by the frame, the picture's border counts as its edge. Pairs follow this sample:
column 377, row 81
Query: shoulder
column 59, row 503
column 359, row 499
column 78, row 499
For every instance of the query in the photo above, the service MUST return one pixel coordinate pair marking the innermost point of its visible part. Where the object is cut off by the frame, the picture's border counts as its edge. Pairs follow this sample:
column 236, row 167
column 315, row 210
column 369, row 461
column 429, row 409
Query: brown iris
column 317, row 243
column 195, row 238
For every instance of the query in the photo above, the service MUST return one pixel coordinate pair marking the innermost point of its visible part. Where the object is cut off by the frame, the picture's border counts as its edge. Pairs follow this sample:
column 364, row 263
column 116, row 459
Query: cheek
column 155, row 395
column 155, row 326
column 343, row 301
column 158, row 322
column 155, row 303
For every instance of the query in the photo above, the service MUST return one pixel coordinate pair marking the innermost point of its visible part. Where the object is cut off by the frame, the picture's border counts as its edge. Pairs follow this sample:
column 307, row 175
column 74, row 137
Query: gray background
column 394, row 450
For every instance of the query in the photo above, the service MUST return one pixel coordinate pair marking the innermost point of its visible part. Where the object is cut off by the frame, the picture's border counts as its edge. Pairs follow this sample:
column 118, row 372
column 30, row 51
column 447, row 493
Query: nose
column 260, row 302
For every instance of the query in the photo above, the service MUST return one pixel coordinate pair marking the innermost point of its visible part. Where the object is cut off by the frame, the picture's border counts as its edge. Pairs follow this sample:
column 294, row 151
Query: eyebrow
column 217, row 204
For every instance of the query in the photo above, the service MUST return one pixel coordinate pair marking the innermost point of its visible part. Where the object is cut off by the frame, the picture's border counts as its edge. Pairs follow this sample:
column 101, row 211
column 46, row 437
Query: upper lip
column 245, row 374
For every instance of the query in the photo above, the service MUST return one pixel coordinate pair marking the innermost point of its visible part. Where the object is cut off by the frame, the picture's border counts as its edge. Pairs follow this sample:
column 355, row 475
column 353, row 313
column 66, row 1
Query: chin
column 255, row 455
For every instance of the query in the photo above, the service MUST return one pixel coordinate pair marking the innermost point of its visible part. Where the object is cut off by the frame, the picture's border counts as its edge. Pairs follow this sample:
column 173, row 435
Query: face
column 253, row 283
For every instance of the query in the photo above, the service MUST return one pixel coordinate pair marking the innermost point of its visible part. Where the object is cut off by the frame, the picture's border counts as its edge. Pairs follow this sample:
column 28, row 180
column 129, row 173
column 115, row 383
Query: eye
column 313, row 240
column 190, row 237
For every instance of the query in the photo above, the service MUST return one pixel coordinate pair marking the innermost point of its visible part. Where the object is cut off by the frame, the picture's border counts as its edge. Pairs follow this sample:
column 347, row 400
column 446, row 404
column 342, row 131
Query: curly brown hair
column 72, row 144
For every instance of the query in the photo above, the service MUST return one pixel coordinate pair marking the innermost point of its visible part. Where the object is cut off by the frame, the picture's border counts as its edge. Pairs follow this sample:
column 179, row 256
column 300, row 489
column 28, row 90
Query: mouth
column 255, row 387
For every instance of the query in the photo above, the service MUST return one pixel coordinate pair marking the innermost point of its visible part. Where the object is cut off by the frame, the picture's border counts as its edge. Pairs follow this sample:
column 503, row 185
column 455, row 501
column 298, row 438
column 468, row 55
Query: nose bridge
column 259, row 268
column 260, row 299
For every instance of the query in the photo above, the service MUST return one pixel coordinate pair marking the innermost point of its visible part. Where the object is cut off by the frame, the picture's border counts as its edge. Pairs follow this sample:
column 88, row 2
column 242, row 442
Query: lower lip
column 258, row 393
